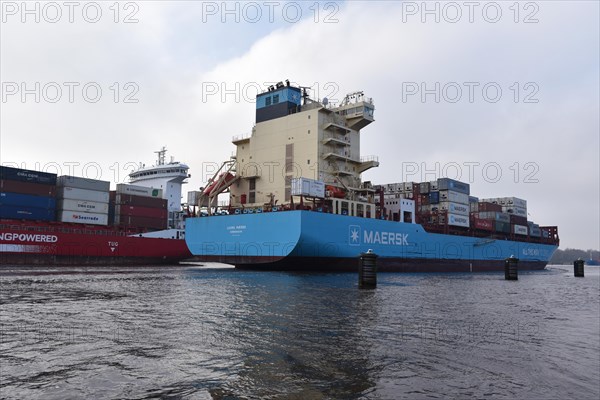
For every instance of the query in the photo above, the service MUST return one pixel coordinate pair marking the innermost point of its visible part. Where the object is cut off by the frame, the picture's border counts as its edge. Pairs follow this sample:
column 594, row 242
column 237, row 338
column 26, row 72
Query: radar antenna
column 305, row 95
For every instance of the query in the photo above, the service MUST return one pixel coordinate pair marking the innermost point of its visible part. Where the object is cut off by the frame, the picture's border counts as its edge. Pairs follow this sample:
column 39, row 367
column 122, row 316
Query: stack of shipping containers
column 447, row 202
column 453, row 203
column 139, row 207
column 82, row 200
column 40, row 196
column 515, row 211
column 441, row 202
column 27, row 195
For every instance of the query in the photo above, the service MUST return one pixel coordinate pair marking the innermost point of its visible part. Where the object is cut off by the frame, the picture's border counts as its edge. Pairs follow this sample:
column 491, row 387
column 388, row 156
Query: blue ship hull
column 304, row 240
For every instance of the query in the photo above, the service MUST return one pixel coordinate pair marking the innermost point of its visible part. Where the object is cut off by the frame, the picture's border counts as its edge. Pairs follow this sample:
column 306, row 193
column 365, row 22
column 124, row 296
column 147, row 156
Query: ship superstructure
column 292, row 140
column 169, row 177
column 297, row 137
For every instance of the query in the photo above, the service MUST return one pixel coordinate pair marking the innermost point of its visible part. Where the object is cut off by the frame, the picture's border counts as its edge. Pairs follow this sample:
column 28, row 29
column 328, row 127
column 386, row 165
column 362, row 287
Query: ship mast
column 161, row 156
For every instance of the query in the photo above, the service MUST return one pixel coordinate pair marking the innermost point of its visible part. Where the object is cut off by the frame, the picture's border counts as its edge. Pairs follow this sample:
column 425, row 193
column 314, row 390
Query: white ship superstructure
column 166, row 176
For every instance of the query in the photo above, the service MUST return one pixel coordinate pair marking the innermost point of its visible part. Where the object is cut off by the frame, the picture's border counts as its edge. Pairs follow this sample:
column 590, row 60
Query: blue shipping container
column 434, row 197
column 25, row 175
column 27, row 200
column 30, row 213
column 451, row 184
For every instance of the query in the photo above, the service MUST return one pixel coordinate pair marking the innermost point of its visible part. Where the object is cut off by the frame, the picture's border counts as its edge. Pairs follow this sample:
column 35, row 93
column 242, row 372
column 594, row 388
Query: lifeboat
column 335, row 192
column 223, row 182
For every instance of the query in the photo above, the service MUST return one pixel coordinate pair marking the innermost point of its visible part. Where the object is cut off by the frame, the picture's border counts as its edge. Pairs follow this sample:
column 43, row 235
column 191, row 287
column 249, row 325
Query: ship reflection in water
column 192, row 332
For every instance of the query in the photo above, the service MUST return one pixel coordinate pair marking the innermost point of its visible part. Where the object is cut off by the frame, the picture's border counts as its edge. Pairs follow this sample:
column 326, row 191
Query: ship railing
column 369, row 158
column 341, row 138
column 241, row 137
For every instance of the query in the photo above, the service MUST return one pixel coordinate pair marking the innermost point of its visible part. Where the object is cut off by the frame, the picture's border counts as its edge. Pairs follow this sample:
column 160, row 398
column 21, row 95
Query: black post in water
column 578, row 267
column 511, row 268
column 367, row 270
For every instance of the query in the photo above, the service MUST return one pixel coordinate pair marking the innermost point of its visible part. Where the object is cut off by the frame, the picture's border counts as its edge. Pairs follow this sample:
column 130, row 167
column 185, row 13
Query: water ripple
column 211, row 333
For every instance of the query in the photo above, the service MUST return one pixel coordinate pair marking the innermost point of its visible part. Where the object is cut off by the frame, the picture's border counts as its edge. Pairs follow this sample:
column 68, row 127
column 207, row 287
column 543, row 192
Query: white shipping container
column 520, row 229
column 139, row 190
column 82, row 206
column 83, row 218
column 83, row 183
column 455, row 208
column 300, row 187
column 514, row 201
column 81, row 194
column 317, row 188
column 492, row 200
column 433, row 185
column 454, row 197
column 408, row 186
column 458, row 220
column 521, row 212
column 308, row 187
column 193, row 197
column 393, row 187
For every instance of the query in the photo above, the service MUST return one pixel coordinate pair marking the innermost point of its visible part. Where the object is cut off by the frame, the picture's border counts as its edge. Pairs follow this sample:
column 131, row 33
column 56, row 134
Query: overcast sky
column 500, row 95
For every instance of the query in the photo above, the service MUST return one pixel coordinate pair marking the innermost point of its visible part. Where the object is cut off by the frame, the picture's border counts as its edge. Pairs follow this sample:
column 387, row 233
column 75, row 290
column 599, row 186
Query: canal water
column 207, row 332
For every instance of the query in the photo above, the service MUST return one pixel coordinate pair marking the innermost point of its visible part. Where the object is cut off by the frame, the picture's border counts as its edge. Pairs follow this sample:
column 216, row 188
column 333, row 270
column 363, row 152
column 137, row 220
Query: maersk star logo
column 353, row 235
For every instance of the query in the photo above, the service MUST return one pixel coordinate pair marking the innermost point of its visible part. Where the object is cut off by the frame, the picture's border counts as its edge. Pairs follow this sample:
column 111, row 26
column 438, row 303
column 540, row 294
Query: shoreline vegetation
column 567, row 256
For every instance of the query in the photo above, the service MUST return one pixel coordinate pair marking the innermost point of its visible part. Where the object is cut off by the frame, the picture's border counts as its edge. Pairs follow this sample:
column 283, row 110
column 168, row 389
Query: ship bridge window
column 275, row 98
column 268, row 101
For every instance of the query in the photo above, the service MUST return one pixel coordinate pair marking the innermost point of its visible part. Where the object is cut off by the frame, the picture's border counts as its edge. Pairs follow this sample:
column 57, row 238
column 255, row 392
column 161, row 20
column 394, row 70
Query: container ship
column 297, row 202
column 47, row 219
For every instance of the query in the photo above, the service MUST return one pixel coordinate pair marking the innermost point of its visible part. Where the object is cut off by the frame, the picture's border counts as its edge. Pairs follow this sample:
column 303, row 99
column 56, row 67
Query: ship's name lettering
column 28, row 237
column 531, row 252
column 374, row 237
column 236, row 227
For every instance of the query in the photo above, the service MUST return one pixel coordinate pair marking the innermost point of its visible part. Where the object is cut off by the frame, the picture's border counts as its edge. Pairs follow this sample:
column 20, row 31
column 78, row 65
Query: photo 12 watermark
column 453, row 12
column 253, row 12
column 69, row 92
column 116, row 172
column 57, row 12
column 469, row 92
column 237, row 92
column 470, row 171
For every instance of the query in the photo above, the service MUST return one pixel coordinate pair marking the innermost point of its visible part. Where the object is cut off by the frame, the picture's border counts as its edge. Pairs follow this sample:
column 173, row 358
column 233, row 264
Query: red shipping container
column 518, row 220
column 484, row 206
column 142, row 222
column 136, row 211
column 142, row 201
column 483, row 224
column 36, row 189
